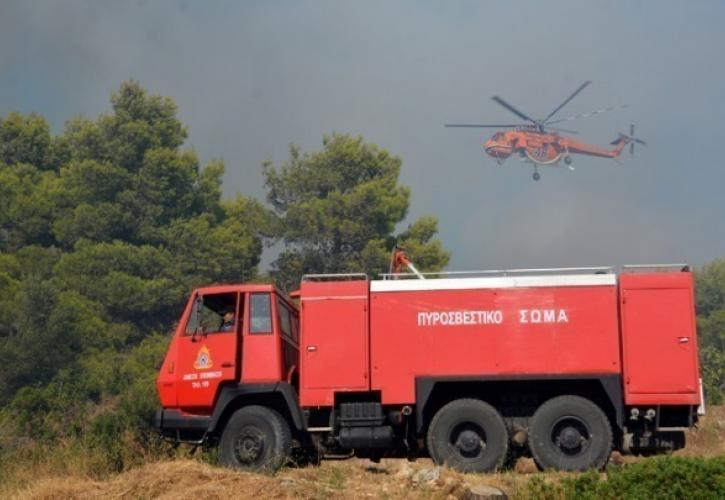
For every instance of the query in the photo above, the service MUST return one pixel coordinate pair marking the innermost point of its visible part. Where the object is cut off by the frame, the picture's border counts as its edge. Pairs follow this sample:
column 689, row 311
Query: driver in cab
column 227, row 321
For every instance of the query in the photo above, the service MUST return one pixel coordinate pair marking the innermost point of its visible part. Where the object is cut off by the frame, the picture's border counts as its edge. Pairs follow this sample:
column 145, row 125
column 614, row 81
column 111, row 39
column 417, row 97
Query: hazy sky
column 251, row 77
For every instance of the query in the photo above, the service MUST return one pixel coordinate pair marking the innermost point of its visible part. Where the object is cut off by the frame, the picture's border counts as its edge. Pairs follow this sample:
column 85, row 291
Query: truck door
column 660, row 347
column 334, row 345
column 208, row 349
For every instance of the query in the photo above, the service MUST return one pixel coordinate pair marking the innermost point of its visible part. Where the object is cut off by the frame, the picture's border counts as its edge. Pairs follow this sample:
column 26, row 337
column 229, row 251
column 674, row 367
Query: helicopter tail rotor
column 629, row 139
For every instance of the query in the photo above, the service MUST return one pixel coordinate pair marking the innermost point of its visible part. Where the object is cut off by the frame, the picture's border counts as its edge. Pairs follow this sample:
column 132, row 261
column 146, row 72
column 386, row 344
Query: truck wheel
column 255, row 438
column 570, row 433
column 468, row 435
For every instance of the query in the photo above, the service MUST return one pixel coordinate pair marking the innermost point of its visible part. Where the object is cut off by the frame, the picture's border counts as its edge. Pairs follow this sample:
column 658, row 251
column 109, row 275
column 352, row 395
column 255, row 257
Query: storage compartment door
column 659, row 340
column 335, row 343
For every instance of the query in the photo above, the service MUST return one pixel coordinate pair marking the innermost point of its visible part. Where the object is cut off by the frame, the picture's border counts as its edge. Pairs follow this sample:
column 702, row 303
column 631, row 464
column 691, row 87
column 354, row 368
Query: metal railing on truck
column 683, row 267
column 502, row 272
column 654, row 268
column 334, row 276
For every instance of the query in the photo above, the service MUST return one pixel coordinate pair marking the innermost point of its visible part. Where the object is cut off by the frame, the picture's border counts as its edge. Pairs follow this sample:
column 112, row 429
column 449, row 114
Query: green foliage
column 133, row 283
column 662, row 478
column 712, row 329
column 103, row 404
column 338, row 209
column 710, row 281
column 139, row 122
column 27, row 139
column 226, row 252
column 104, row 229
column 712, row 368
column 710, row 300
column 539, row 488
column 25, row 206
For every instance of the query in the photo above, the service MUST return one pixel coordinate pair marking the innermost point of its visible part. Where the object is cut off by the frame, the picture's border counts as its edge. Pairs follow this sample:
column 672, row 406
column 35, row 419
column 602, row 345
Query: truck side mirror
column 198, row 311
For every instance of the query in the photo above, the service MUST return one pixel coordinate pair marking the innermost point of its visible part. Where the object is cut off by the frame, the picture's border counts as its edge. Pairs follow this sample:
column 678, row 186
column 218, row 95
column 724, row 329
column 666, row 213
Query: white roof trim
column 493, row 282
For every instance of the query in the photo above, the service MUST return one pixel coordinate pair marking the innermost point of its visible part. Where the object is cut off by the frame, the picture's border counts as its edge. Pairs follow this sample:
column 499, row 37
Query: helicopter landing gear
column 568, row 161
column 536, row 175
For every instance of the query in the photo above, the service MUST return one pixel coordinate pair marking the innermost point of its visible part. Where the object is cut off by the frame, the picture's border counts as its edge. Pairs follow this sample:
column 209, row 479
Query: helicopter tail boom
column 619, row 145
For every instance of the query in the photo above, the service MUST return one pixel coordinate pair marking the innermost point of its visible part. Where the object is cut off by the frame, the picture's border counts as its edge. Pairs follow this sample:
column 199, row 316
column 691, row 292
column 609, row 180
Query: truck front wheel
column 570, row 433
column 468, row 435
column 255, row 438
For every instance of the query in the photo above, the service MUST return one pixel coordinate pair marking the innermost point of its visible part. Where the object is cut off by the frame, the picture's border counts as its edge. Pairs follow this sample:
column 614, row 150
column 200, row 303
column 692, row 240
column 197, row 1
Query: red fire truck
column 469, row 368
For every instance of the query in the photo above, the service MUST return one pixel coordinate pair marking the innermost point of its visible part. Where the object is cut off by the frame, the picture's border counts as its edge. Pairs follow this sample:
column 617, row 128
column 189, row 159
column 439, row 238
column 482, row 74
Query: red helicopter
column 538, row 143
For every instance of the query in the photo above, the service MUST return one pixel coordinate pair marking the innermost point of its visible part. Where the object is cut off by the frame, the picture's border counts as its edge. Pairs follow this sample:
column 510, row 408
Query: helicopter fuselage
column 544, row 148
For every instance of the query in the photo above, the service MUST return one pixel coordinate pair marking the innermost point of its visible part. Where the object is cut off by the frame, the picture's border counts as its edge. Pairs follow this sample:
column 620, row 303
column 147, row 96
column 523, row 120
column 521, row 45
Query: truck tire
column 255, row 438
column 468, row 435
column 570, row 433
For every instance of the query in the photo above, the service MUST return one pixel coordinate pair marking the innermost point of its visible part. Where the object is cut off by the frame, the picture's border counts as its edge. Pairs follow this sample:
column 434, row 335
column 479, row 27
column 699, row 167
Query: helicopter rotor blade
column 512, row 109
column 581, row 87
column 566, row 131
column 587, row 114
column 465, row 125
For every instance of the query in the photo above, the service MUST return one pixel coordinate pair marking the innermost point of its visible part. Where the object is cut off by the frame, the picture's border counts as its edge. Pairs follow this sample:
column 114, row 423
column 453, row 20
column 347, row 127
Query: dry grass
column 190, row 479
column 708, row 440
column 185, row 478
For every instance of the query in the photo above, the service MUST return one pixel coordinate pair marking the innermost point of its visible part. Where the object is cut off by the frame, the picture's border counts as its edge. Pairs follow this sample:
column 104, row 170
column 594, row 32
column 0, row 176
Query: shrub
column 662, row 478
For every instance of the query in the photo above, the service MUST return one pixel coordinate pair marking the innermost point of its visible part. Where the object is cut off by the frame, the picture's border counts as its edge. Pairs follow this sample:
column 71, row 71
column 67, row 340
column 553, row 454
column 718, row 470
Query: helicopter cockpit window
column 497, row 135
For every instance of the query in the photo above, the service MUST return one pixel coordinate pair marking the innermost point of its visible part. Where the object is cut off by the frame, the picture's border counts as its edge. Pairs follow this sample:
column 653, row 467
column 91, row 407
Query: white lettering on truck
column 449, row 318
column 543, row 316
column 495, row 317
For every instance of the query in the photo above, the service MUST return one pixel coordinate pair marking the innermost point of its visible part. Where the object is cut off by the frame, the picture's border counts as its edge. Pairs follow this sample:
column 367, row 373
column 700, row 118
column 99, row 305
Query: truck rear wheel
column 255, row 438
column 468, row 435
column 570, row 433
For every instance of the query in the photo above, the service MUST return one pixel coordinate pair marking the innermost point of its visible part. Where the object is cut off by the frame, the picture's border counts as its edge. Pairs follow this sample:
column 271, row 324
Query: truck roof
column 246, row 287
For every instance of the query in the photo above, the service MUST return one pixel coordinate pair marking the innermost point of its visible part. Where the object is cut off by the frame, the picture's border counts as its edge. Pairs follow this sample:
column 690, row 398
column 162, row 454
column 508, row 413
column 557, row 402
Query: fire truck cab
column 469, row 368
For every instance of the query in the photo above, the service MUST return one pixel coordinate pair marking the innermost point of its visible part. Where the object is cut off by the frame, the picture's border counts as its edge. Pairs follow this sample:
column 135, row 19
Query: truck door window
column 261, row 313
column 218, row 315
column 295, row 327
column 284, row 318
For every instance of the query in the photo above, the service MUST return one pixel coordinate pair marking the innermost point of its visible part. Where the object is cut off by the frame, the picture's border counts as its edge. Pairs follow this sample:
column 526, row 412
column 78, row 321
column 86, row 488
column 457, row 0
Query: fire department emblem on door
column 203, row 359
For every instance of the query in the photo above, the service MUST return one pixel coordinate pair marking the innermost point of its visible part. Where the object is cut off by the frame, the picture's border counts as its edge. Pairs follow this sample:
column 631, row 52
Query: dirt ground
column 191, row 479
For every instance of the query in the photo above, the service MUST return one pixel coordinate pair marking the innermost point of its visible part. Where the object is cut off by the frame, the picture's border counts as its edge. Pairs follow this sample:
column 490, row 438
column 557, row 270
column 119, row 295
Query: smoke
column 251, row 77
